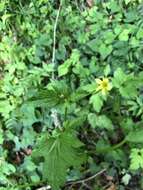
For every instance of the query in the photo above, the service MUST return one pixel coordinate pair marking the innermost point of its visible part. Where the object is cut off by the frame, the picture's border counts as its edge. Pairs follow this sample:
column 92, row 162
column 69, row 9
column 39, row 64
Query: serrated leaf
column 5, row 108
column 59, row 154
column 119, row 78
column 90, row 87
column 57, row 93
column 75, row 122
column 63, row 69
column 74, row 58
column 136, row 157
column 101, row 121
column 78, row 95
column 97, row 102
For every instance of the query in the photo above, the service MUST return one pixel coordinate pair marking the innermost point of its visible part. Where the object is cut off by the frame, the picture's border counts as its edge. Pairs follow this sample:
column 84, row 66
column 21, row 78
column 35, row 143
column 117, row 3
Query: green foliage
column 73, row 129
column 101, row 121
column 60, row 153
column 97, row 102
column 74, row 59
column 135, row 136
column 136, row 159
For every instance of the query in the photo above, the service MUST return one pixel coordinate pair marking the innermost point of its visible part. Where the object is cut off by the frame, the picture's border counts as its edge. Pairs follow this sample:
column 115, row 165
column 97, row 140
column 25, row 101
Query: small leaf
column 107, row 70
column 97, row 102
column 5, row 17
column 119, row 78
column 63, row 69
column 105, row 50
column 74, row 58
column 136, row 157
column 126, row 178
column 124, row 36
column 127, row 1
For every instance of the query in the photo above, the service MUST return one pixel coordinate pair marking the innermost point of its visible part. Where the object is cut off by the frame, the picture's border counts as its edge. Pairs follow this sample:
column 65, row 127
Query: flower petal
column 106, row 80
column 109, row 87
column 98, row 81
column 104, row 92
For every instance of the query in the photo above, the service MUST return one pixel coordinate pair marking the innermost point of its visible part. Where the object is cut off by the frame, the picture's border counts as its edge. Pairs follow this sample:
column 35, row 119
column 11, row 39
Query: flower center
column 104, row 84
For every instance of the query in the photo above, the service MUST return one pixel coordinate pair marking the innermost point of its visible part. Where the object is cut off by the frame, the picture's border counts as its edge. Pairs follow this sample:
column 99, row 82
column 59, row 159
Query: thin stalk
column 108, row 149
column 66, row 110
column 54, row 111
column 30, row 184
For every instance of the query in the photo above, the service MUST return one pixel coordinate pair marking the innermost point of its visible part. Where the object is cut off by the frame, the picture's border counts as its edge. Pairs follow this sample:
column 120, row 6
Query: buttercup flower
column 103, row 85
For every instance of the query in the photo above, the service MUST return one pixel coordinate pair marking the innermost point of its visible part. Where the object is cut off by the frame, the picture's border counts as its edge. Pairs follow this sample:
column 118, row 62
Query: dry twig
column 54, row 111
column 44, row 188
column 83, row 181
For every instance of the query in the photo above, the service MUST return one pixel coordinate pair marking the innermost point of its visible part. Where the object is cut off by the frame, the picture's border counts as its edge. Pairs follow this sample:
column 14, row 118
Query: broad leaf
column 119, row 78
column 135, row 136
column 59, row 154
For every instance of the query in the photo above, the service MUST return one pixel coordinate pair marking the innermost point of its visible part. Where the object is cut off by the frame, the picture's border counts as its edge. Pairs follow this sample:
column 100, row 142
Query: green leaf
column 128, row 1
column 109, row 37
column 105, row 50
column 64, row 68
column 57, row 93
column 93, row 45
column 124, row 36
column 97, row 102
column 135, row 136
column 60, row 153
column 5, row 108
column 136, row 157
column 81, row 71
column 75, row 122
column 2, row 6
column 113, row 6
column 90, row 87
column 101, row 121
column 119, row 78
column 78, row 95
column 129, row 90
column 107, row 70
column 5, row 17
column 140, row 33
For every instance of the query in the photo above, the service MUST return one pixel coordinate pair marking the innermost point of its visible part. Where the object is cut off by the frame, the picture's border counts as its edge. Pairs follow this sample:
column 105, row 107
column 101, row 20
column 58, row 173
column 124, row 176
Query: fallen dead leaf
column 109, row 178
column 112, row 187
column 89, row 3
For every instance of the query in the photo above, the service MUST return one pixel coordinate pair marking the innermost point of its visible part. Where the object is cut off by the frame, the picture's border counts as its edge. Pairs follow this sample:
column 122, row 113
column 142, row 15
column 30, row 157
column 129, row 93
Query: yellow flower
column 103, row 85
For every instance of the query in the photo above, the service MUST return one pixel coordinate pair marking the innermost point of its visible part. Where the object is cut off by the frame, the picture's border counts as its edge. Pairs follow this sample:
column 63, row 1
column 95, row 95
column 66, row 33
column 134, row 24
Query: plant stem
column 30, row 184
column 54, row 111
column 54, row 40
column 108, row 149
column 66, row 110
column 87, row 179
